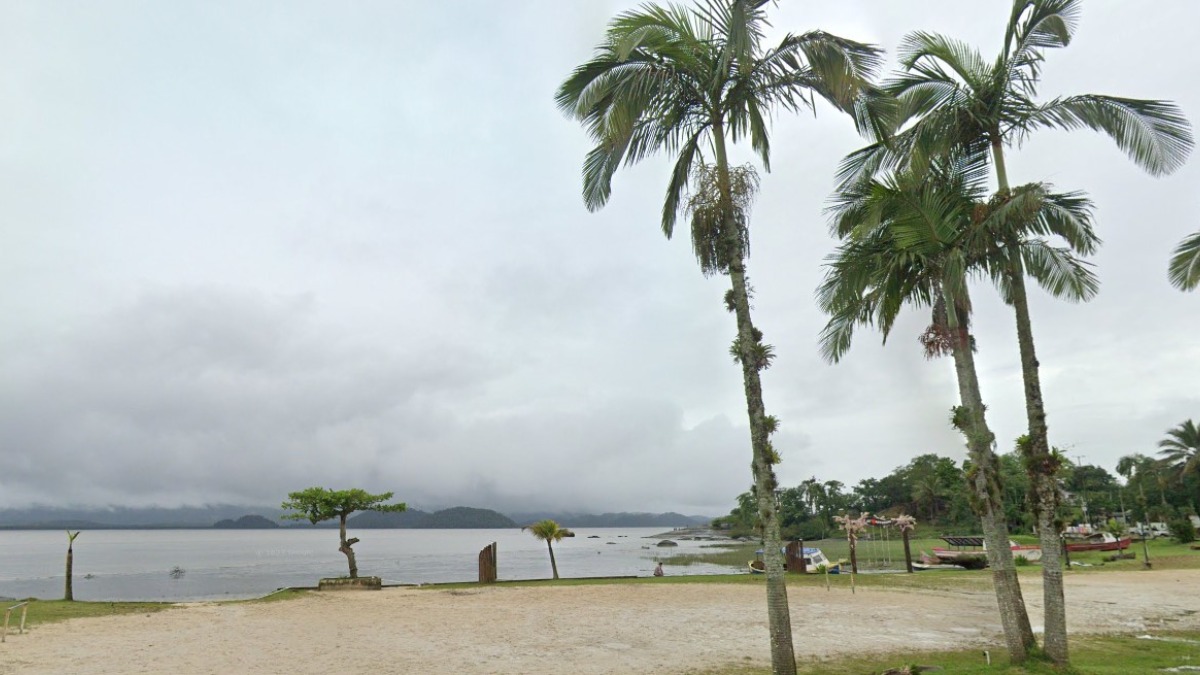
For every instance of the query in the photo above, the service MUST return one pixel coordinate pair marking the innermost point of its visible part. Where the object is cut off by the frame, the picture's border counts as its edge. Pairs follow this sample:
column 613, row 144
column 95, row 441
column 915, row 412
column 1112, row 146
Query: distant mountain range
column 623, row 519
column 459, row 517
column 226, row 516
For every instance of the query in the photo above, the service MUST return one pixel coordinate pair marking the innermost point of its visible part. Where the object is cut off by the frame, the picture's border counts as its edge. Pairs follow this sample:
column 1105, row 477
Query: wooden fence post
column 487, row 564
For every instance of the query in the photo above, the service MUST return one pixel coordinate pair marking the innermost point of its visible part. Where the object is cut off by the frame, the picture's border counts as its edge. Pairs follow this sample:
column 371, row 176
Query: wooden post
column 69, row 592
column 795, row 557
column 487, row 564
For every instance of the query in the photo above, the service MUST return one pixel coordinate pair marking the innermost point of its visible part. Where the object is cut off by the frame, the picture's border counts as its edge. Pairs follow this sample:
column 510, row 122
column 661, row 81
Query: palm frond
column 689, row 155
column 1033, row 210
column 1154, row 134
column 1039, row 24
column 931, row 54
column 1184, row 271
column 1058, row 271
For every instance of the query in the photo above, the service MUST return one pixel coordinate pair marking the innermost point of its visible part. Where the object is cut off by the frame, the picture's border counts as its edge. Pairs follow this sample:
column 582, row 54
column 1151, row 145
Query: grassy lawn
column 1090, row 655
column 50, row 611
column 1165, row 554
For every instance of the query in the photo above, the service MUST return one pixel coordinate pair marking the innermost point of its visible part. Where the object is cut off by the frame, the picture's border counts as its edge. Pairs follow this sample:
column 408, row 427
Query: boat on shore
column 1101, row 541
column 815, row 562
column 971, row 548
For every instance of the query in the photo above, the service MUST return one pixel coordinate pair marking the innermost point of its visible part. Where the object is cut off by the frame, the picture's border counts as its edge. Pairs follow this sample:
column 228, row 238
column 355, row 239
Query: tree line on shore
column 934, row 488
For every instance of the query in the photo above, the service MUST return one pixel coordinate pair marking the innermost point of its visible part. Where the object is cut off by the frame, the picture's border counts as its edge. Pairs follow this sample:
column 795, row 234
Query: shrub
column 974, row 561
column 1182, row 530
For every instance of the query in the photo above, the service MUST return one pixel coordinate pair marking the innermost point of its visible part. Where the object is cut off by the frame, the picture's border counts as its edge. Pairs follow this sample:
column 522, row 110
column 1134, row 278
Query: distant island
column 459, row 517
column 243, row 517
column 251, row 522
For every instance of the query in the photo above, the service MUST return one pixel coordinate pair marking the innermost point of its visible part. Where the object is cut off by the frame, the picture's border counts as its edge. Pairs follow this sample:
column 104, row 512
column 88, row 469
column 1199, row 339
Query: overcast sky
column 253, row 247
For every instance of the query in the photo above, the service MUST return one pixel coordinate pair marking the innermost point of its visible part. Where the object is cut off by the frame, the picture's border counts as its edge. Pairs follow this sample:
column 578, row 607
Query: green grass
column 277, row 596
column 1090, row 655
column 52, row 611
column 1164, row 554
column 879, row 554
column 958, row 580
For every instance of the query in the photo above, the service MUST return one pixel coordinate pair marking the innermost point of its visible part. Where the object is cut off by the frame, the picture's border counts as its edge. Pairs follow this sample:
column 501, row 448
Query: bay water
column 187, row 565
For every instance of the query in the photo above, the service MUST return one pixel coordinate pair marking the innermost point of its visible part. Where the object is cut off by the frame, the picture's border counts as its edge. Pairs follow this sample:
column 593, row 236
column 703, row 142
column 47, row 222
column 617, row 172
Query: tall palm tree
column 1184, row 271
column 688, row 82
column 952, row 98
column 1181, row 448
column 913, row 237
column 549, row 532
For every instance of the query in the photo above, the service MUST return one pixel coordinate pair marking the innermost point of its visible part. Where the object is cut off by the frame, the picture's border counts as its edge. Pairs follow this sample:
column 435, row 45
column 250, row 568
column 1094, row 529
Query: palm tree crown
column 914, row 238
column 1181, row 448
column 677, row 79
column 959, row 98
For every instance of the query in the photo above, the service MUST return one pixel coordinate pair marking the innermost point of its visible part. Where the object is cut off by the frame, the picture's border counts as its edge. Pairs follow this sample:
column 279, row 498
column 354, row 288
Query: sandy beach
column 589, row 630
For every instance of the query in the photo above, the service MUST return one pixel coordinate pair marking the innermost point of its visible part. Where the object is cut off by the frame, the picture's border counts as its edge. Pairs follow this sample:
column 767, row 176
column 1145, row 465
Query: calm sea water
column 230, row 564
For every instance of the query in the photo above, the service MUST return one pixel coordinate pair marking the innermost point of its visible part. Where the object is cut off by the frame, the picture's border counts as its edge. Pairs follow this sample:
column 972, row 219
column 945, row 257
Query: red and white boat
column 975, row 546
column 1101, row 541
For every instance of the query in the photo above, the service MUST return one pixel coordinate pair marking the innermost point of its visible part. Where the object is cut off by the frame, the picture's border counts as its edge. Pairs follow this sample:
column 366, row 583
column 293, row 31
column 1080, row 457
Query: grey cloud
column 255, row 248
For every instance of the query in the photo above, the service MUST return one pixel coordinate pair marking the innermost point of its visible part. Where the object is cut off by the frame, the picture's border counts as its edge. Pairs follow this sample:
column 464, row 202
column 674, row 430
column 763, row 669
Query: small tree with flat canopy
column 318, row 504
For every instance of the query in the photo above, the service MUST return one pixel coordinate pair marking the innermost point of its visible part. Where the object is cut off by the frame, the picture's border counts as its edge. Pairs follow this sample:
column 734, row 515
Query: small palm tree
column 548, row 531
column 1185, row 264
column 1181, row 448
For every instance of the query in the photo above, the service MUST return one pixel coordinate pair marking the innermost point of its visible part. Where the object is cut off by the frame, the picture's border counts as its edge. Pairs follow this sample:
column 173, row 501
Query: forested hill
column 459, row 517
column 248, row 522
column 577, row 520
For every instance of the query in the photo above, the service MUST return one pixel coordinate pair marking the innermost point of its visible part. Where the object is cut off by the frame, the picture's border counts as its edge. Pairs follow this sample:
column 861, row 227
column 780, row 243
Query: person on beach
column 658, row 571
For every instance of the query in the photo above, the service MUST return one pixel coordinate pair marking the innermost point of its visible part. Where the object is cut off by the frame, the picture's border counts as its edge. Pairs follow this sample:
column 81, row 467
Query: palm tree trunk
column 1045, row 484
column 985, row 480
column 1042, row 464
column 69, row 592
column 783, row 658
column 907, row 552
column 553, row 563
